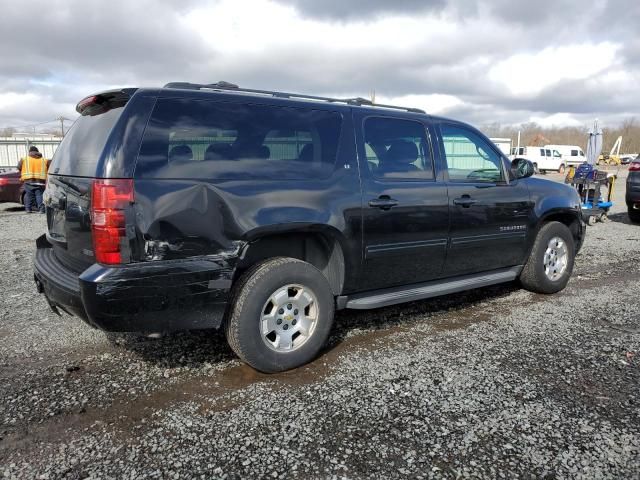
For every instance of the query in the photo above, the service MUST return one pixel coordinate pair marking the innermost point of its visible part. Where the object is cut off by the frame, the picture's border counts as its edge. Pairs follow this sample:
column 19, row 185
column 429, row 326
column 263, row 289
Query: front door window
column 470, row 158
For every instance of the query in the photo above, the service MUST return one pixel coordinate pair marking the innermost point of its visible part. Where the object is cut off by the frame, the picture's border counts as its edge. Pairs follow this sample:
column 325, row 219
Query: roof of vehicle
column 232, row 88
column 224, row 90
column 231, row 91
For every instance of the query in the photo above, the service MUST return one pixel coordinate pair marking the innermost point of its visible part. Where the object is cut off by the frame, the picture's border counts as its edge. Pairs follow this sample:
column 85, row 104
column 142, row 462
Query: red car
column 11, row 187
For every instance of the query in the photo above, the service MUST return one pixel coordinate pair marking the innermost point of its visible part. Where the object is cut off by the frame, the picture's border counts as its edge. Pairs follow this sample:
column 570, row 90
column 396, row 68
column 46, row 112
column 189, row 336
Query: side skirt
column 420, row 291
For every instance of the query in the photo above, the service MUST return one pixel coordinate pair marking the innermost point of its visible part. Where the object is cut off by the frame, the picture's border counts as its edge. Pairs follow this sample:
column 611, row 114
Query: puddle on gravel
column 212, row 392
column 127, row 416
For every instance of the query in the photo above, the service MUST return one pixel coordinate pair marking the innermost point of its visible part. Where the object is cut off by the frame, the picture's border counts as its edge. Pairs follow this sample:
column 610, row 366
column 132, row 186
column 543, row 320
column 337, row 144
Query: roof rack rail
column 222, row 85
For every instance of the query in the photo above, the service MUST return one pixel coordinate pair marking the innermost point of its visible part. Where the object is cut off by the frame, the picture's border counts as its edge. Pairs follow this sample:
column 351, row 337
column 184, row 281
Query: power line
column 34, row 124
column 62, row 120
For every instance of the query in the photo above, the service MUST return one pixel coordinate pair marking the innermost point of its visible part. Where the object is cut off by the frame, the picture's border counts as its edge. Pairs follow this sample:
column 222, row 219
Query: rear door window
column 228, row 140
column 397, row 149
column 79, row 152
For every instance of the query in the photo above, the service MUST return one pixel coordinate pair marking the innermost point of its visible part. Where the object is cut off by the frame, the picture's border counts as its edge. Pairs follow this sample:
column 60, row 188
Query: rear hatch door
column 74, row 166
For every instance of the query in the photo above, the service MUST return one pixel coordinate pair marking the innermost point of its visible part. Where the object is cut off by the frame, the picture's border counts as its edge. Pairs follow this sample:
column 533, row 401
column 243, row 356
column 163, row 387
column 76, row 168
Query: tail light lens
column 634, row 167
column 4, row 181
column 109, row 200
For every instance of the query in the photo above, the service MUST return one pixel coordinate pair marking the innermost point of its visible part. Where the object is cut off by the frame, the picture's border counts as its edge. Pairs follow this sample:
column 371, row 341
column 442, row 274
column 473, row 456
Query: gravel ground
column 494, row 383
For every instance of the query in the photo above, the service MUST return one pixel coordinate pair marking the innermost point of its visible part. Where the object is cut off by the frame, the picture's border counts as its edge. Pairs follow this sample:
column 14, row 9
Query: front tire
column 280, row 315
column 561, row 169
column 550, row 263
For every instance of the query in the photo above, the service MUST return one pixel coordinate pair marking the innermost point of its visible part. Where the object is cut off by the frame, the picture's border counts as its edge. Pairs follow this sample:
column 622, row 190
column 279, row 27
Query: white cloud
column 557, row 119
column 529, row 73
column 476, row 60
column 433, row 104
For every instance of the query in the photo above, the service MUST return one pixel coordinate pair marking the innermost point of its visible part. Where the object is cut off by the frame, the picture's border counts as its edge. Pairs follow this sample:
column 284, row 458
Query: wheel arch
column 569, row 217
column 320, row 246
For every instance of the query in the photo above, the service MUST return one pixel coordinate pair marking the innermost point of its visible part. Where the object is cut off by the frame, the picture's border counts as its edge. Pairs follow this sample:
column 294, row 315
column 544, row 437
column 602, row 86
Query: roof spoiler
column 103, row 102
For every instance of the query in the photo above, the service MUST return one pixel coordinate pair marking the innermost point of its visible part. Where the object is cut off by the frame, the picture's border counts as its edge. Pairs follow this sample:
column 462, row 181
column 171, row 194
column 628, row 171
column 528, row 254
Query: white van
column 544, row 159
column 572, row 154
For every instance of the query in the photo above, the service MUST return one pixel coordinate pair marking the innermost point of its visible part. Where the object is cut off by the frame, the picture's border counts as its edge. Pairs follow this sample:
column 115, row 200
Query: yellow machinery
column 614, row 155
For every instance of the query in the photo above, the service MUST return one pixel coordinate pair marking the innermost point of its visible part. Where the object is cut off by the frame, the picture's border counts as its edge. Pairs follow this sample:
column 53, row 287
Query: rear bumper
column 147, row 297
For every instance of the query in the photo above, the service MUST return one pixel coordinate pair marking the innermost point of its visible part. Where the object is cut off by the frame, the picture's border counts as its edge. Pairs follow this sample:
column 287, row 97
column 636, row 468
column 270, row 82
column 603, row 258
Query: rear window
column 79, row 152
column 225, row 140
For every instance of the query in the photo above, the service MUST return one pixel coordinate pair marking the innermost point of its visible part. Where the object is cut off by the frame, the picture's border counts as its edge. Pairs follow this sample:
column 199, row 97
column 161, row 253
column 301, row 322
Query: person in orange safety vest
column 33, row 172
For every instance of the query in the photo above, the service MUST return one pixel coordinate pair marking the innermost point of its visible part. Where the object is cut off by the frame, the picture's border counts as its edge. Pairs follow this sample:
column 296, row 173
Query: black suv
column 201, row 206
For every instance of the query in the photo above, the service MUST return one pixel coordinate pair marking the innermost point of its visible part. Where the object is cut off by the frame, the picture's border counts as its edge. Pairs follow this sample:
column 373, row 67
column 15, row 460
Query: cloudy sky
column 556, row 62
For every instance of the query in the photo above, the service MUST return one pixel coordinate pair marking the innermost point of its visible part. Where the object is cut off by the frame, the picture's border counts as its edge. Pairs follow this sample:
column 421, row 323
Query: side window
column 469, row 156
column 574, row 153
column 542, row 152
column 580, row 152
column 222, row 140
column 548, row 152
column 397, row 149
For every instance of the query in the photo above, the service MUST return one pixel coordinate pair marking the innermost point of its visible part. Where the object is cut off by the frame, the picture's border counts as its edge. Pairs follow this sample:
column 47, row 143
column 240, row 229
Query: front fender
column 557, row 201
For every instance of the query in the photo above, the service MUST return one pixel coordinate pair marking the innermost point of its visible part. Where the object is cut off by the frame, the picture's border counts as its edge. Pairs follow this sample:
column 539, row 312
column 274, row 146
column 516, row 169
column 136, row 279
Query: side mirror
column 522, row 168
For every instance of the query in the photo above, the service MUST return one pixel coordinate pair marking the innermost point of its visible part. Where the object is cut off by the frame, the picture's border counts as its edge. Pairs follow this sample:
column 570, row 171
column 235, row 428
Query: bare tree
column 533, row 134
column 7, row 132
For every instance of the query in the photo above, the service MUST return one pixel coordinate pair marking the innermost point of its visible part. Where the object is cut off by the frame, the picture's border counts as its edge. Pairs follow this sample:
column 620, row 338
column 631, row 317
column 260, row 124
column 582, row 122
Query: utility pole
column 62, row 119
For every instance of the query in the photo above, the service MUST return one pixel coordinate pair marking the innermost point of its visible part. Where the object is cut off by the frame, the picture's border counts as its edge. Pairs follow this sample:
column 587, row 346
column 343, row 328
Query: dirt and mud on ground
column 494, row 383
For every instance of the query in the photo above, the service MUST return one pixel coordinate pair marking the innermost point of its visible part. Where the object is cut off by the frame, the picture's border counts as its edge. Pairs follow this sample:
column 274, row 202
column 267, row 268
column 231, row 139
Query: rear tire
column 550, row 263
column 280, row 314
column 535, row 168
column 634, row 215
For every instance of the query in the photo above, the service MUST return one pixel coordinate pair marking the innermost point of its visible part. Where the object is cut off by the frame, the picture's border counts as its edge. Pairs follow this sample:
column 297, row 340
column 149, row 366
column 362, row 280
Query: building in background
column 16, row 146
column 504, row 144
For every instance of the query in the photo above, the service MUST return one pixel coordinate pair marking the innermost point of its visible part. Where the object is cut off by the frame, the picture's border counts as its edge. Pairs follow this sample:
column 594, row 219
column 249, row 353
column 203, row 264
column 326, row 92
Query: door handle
column 465, row 201
column 383, row 202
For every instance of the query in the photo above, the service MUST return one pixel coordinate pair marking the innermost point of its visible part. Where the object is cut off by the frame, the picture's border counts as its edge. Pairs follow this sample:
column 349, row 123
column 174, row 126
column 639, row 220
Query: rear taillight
column 634, row 167
column 109, row 200
column 4, row 181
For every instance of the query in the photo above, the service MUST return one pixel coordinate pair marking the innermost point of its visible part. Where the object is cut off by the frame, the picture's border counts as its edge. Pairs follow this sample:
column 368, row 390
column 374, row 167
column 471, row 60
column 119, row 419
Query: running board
column 420, row 291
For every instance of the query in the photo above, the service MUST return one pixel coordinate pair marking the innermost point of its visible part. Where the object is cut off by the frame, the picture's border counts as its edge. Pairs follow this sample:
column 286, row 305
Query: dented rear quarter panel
column 194, row 217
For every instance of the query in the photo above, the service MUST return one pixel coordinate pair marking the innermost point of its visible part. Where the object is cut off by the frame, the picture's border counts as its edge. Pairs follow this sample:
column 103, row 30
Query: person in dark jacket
column 33, row 172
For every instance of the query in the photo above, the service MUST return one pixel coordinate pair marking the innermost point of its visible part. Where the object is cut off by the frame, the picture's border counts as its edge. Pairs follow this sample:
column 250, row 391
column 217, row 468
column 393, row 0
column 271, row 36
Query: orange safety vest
column 33, row 168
